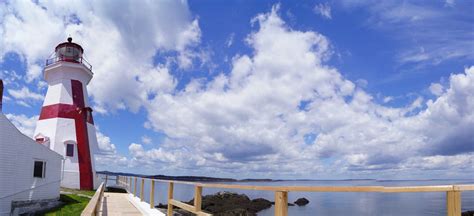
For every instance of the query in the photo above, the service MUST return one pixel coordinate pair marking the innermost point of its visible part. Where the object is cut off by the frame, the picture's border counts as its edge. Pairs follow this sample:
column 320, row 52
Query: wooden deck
column 117, row 204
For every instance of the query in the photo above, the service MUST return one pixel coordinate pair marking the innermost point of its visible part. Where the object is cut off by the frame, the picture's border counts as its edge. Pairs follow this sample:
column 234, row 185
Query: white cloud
column 230, row 40
column 138, row 153
column 115, row 162
column 108, row 158
column 387, row 99
column 22, row 103
column 436, row 89
column 10, row 78
column 34, row 71
column 41, row 85
column 363, row 83
column 146, row 140
column 6, row 98
column 24, row 123
column 439, row 162
column 24, row 93
column 24, row 96
column 251, row 117
column 450, row 3
column 453, row 114
column 105, row 145
column 28, row 30
column 120, row 40
column 418, row 26
column 324, row 10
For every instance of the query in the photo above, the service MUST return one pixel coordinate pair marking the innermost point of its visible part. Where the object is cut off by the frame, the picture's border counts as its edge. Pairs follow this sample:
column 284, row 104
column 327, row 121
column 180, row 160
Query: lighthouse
column 65, row 123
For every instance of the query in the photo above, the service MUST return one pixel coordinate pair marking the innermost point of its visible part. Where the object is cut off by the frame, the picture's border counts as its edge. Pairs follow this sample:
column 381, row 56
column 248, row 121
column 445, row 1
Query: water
column 336, row 203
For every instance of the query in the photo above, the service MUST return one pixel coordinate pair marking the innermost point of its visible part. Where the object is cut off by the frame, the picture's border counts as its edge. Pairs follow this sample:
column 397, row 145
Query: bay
column 336, row 203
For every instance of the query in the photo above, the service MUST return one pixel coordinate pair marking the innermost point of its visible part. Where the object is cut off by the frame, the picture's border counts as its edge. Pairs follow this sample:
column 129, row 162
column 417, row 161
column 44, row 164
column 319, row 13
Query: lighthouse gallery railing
column 80, row 60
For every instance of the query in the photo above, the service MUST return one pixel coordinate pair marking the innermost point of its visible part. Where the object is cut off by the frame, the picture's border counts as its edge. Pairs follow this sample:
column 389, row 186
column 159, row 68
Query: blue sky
column 282, row 89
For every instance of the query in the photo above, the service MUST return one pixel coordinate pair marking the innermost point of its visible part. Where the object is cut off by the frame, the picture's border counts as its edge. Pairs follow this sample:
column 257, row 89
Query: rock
column 301, row 201
column 468, row 213
column 113, row 189
column 260, row 204
column 162, row 206
column 232, row 204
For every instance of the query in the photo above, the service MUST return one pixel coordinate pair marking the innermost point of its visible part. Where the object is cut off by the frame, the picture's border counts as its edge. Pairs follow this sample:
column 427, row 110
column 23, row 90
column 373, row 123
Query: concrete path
column 117, row 204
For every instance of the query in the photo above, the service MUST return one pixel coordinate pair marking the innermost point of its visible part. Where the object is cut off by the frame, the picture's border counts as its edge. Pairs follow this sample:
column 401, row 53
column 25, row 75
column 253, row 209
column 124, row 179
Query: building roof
column 8, row 131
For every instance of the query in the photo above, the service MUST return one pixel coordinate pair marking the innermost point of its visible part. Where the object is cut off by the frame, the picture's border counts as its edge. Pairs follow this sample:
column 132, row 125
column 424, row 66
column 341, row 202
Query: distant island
column 186, row 178
column 215, row 179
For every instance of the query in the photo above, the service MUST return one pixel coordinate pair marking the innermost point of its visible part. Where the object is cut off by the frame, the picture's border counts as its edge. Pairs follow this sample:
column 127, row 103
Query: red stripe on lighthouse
column 79, row 113
column 83, row 151
column 62, row 111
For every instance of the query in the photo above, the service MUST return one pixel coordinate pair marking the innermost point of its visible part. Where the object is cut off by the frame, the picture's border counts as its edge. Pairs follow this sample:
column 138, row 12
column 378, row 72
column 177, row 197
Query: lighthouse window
column 40, row 169
column 70, row 150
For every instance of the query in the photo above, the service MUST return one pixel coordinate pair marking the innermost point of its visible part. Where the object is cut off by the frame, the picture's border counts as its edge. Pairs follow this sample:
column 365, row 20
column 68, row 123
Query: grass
column 73, row 204
column 84, row 192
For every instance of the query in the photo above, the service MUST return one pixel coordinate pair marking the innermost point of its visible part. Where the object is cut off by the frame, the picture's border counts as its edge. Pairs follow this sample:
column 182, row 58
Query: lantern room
column 68, row 52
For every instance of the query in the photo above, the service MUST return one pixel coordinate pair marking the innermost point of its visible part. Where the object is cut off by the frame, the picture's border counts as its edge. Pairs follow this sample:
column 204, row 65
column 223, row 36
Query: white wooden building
column 29, row 172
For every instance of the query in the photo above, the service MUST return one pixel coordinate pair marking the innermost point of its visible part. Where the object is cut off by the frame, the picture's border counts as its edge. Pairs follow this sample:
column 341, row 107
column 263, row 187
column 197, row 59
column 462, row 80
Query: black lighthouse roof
column 69, row 43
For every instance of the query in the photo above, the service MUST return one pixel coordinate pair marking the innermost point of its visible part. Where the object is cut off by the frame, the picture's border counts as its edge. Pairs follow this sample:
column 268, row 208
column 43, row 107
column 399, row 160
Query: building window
column 41, row 139
column 70, row 150
column 40, row 169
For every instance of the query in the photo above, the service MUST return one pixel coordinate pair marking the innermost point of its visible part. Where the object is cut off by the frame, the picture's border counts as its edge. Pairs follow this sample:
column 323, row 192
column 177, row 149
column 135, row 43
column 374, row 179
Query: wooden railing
column 453, row 193
column 93, row 206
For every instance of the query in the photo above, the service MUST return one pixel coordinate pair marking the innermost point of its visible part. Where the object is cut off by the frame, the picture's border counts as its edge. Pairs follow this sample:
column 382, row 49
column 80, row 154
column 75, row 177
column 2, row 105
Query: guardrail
column 93, row 206
column 79, row 60
column 453, row 193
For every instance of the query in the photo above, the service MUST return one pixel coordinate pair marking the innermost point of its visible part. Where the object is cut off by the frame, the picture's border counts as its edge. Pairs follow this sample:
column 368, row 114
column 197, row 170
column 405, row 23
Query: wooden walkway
column 117, row 204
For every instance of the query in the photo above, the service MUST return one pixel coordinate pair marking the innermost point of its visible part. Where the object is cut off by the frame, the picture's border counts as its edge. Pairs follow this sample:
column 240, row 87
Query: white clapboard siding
column 17, row 155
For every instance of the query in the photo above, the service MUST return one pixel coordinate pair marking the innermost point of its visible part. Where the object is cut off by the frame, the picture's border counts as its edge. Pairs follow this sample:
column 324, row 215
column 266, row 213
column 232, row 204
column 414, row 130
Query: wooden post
column 141, row 189
column 152, row 194
column 135, row 187
column 281, row 203
column 106, row 179
column 129, row 184
column 197, row 198
column 170, row 197
column 453, row 203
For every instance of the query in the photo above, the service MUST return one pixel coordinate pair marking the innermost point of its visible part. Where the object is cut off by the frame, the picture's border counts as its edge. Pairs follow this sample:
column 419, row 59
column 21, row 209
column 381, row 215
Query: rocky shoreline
column 468, row 213
column 232, row 204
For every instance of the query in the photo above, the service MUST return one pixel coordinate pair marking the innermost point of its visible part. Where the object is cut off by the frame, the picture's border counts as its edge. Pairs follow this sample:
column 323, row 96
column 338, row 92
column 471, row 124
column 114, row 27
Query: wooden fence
column 453, row 193
column 93, row 206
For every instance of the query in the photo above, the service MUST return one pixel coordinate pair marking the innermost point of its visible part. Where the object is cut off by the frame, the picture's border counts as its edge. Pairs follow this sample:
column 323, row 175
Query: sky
column 259, row 89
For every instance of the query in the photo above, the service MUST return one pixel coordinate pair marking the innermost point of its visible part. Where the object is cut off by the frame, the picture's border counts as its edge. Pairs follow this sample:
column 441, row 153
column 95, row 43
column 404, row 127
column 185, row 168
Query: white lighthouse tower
column 65, row 124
